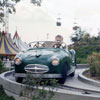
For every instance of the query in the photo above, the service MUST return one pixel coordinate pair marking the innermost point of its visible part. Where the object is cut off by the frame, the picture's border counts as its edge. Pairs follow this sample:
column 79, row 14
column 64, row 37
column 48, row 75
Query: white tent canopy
column 18, row 42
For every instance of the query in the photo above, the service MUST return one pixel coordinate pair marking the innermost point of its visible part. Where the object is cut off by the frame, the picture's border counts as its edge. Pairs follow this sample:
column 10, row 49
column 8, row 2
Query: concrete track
column 71, row 81
column 13, row 88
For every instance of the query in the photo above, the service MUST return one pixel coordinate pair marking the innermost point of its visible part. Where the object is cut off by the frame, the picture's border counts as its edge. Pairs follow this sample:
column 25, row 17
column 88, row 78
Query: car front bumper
column 39, row 75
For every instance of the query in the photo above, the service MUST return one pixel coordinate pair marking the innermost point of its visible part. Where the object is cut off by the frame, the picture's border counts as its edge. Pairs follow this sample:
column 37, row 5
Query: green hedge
column 2, row 68
column 82, row 52
column 86, row 46
column 3, row 95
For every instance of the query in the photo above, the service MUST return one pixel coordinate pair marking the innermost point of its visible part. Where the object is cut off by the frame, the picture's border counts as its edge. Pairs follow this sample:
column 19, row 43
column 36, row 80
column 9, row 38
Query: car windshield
column 47, row 44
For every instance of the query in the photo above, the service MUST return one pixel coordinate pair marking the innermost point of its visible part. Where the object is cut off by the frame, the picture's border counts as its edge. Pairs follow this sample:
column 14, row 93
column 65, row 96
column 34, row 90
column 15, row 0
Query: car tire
column 19, row 79
column 72, row 74
column 64, row 74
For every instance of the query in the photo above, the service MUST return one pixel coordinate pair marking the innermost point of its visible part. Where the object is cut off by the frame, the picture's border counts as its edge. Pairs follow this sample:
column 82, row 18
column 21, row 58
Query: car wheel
column 64, row 74
column 19, row 79
column 72, row 74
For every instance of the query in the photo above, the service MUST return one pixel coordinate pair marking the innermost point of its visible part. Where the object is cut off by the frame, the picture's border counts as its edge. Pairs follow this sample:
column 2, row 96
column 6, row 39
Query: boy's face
column 59, row 39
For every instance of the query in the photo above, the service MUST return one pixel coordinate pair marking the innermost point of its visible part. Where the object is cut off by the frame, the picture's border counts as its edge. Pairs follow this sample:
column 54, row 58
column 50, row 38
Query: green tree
column 86, row 37
column 36, row 2
column 9, row 6
column 86, row 46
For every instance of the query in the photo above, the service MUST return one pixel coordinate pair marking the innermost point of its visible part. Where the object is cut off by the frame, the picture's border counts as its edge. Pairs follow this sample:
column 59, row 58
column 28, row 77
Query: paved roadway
column 72, row 81
column 75, row 82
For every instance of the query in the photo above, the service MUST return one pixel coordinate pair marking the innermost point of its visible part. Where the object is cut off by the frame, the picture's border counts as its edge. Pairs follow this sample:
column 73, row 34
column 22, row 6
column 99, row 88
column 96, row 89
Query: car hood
column 41, row 55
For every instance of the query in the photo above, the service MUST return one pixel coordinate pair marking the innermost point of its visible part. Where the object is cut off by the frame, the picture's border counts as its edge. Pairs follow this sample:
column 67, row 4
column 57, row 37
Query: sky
column 34, row 23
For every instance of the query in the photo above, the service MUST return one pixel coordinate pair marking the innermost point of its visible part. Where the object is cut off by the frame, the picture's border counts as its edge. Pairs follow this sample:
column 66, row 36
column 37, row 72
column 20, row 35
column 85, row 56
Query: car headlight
column 18, row 61
column 55, row 62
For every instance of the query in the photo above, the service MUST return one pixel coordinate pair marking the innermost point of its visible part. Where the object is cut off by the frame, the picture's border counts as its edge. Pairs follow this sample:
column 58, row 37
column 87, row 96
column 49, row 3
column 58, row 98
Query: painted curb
column 82, row 65
column 82, row 78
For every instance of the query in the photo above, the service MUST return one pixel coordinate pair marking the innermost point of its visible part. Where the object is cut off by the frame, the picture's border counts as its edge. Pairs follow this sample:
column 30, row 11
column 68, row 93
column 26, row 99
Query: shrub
column 81, row 61
column 94, row 63
column 3, row 95
column 1, row 66
column 32, row 90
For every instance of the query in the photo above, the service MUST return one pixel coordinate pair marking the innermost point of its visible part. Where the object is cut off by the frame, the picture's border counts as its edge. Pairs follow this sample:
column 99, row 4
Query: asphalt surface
column 75, row 82
column 72, row 81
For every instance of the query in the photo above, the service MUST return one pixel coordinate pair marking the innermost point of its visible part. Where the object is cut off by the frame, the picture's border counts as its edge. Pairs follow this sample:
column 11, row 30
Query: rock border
column 82, row 78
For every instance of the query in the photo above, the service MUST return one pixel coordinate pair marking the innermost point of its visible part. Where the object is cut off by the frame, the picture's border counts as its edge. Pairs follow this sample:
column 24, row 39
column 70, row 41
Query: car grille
column 36, row 68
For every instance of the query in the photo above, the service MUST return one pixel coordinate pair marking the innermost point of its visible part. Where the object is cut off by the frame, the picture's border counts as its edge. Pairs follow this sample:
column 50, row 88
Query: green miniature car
column 46, row 59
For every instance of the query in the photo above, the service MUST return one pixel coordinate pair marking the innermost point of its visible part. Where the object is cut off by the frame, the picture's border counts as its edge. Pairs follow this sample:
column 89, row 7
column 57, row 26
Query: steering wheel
column 38, row 44
column 59, row 46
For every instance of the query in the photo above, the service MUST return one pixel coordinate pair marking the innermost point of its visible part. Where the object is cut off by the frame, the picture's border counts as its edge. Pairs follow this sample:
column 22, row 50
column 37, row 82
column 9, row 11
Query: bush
column 32, row 90
column 94, row 63
column 81, row 60
column 82, row 52
column 3, row 96
column 2, row 68
column 86, row 46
